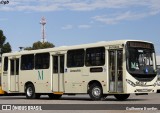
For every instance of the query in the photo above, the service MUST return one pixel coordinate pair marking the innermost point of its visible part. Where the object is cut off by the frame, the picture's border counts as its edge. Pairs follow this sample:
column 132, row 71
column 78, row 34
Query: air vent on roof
column 63, row 46
column 101, row 42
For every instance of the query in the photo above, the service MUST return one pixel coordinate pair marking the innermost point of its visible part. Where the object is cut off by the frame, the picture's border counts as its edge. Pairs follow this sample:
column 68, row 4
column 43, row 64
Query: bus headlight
column 131, row 83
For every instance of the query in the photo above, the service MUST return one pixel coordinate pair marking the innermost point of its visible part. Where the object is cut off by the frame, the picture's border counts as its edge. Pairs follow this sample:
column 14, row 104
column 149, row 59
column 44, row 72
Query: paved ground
column 83, row 99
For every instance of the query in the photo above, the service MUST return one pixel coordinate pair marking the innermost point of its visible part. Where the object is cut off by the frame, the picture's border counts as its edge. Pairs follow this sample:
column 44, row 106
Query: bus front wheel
column 95, row 92
column 30, row 92
column 121, row 97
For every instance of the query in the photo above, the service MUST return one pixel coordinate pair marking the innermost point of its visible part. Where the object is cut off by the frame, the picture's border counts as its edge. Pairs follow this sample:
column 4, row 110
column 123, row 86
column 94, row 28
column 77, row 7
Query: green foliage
column 5, row 47
column 28, row 48
column 40, row 45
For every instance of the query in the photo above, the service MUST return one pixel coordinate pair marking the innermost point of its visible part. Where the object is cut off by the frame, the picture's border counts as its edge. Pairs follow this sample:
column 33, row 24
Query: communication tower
column 43, row 23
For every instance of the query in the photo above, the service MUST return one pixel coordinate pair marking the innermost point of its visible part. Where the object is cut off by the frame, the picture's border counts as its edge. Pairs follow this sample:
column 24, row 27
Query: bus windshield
column 140, row 60
column 158, row 72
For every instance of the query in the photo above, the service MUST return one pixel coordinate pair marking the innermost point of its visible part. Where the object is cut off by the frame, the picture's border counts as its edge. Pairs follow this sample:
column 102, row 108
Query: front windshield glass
column 141, row 60
column 158, row 72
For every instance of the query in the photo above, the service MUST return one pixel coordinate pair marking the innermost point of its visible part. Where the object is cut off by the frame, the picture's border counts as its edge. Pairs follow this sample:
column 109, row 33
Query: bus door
column 116, row 71
column 14, row 74
column 58, row 73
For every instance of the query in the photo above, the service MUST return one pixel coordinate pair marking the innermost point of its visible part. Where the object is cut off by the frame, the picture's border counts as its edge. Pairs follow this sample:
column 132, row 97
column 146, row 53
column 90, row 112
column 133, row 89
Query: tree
column 40, row 45
column 5, row 47
column 28, row 48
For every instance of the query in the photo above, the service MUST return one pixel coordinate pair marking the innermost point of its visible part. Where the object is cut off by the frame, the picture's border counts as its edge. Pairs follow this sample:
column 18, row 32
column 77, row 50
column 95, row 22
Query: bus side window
column 42, row 60
column 27, row 62
column 95, row 56
column 55, row 64
column 62, row 64
column 12, row 67
column 75, row 58
column 5, row 65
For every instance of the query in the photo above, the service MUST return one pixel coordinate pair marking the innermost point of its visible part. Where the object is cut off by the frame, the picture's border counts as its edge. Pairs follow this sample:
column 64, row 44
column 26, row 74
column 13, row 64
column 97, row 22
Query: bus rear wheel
column 121, row 97
column 30, row 92
column 95, row 92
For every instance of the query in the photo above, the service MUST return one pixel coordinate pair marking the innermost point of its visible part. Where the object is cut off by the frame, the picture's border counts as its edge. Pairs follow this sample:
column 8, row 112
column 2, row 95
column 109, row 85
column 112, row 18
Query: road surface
column 85, row 100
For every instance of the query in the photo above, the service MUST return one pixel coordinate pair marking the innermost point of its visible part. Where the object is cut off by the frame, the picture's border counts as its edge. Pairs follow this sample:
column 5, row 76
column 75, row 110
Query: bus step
column 141, row 94
column 158, row 91
column 71, row 94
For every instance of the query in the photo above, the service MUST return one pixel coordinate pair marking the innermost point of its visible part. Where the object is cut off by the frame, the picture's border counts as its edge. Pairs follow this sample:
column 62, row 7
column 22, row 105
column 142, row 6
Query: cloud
column 132, row 9
column 116, row 18
column 83, row 26
column 124, row 16
column 146, row 8
column 77, row 5
column 66, row 27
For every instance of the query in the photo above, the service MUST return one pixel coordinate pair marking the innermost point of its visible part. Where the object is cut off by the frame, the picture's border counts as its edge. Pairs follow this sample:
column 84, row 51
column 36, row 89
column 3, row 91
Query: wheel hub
column 29, row 91
column 96, row 92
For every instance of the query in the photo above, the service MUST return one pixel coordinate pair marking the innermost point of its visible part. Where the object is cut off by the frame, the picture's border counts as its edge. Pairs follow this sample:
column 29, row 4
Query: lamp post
column 21, row 48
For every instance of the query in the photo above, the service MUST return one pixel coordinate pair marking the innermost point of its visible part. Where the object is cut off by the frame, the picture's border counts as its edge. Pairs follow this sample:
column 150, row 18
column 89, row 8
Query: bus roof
column 64, row 48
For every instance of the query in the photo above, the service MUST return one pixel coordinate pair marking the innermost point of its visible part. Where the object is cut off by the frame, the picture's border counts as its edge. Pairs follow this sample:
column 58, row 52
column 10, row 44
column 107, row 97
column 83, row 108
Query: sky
column 72, row 22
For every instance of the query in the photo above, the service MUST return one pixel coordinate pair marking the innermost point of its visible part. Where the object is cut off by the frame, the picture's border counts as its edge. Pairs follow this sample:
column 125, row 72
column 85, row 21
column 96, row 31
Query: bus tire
column 53, row 96
column 30, row 92
column 95, row 92
column 121, row 97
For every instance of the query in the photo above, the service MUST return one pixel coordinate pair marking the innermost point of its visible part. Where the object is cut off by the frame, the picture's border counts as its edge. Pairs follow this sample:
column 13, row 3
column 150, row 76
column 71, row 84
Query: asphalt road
column 84, row 99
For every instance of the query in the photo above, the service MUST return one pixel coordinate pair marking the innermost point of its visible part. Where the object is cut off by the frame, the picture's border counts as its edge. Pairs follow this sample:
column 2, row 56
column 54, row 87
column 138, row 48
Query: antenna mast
column 43, row 23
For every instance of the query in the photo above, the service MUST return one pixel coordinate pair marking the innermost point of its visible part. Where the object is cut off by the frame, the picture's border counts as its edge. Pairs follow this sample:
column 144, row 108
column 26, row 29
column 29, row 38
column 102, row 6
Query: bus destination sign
column 140, row 45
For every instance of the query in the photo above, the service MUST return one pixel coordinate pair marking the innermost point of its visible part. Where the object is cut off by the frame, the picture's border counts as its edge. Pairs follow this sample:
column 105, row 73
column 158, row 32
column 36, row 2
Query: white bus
column 118, row 68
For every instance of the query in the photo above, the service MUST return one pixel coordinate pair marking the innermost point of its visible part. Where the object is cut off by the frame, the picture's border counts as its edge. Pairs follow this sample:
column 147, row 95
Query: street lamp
column 21, row 48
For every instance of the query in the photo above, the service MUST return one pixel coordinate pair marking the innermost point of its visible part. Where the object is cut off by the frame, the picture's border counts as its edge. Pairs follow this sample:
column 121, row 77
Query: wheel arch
column 94, row 82
column 29, row 82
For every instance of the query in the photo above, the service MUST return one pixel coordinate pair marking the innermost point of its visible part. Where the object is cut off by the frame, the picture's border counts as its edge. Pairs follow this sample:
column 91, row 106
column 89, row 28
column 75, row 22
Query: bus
column 117, row 68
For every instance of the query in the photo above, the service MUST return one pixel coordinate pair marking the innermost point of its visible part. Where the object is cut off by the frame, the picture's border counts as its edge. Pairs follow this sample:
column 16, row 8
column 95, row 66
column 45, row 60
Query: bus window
column 55, row 64
column 42, row 61
column 75, row 58
column 17, row 66
column 95, row 56
column 27, row 62
column 62, row 64
column 141, row 61
column 5, row 67
column 12, row 67
column 158, row 72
